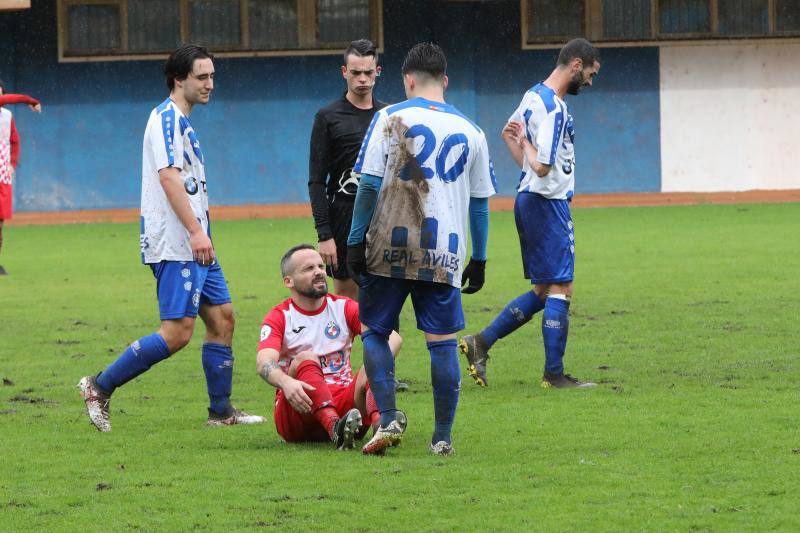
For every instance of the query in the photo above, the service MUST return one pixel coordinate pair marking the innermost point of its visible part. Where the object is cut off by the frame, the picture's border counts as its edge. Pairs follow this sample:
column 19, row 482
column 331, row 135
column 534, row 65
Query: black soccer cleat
column 344, row 431
column 564, row 381
column 477, row 355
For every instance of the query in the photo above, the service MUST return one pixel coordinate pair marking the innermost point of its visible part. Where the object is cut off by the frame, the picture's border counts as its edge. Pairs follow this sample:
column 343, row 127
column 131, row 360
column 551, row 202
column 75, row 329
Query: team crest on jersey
column 567, row 167
column 196, row 298
column 265, row 331
column 332, row 330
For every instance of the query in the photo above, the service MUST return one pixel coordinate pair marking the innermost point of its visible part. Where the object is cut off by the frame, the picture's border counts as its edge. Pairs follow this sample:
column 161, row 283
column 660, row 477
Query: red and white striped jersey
column 328, row 332
column 5, row 146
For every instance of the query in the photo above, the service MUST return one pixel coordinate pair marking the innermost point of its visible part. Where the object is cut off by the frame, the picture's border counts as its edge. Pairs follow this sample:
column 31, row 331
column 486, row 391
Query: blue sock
column 136, row 359
column 379, row 365
column 446, row 381
column 555, row 326
column 218, row 366
column 517, row 313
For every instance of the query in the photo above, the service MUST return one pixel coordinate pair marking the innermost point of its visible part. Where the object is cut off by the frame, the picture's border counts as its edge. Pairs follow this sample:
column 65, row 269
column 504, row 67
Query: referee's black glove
column 475, row 273
column 356, row 260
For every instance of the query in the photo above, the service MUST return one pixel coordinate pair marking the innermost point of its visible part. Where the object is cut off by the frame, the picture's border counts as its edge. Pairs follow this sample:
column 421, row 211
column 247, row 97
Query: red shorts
column 295, row 427
column 6, row 201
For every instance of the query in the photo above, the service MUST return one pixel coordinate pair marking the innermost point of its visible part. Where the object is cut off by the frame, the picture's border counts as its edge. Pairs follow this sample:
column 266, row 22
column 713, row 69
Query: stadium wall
column 84, row 151
column 729, row 117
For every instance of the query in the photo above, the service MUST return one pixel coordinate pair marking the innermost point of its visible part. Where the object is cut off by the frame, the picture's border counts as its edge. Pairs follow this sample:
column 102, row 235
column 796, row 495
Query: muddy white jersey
column 431, row 159
column 549, row 127
column 327, row 332
column 170, row 141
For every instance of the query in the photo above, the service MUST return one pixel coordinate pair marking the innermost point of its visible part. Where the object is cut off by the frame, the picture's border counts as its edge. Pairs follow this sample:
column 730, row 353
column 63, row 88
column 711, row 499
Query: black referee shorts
column 341, row 217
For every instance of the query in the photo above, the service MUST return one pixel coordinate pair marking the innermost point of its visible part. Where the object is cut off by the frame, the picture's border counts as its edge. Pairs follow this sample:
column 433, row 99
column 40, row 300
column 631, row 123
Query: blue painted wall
column 84, row 151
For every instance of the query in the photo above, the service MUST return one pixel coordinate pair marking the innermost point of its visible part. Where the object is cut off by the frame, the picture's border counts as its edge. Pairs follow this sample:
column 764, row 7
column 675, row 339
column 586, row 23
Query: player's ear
column 445, row 81
column 344, row 72
column 377, row 71
column 288, row 282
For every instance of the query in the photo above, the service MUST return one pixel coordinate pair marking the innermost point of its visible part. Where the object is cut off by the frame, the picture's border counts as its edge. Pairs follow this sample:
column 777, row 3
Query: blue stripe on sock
column 135, row 360
column 218, row 368
column 446, row 381
column 379, row 365
column 517, row 313
column 555, row 326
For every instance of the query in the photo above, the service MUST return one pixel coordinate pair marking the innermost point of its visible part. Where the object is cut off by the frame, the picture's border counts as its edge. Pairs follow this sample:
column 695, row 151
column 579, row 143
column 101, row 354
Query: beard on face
column 575, row 84
column 312, row 292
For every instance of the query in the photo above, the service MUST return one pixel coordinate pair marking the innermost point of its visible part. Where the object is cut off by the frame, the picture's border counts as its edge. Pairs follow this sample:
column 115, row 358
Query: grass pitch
column 687, row 316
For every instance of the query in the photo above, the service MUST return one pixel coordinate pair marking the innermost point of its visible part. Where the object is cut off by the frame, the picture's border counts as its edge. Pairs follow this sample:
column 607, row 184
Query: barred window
column 138, row 29
column 547, row 23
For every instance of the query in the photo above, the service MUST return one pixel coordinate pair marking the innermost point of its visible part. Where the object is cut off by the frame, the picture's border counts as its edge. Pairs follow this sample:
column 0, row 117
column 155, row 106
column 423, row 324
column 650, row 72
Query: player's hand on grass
column 475, row 274
column 295, row 392
column 327, row 249
column 357, row 260
column 202, row 249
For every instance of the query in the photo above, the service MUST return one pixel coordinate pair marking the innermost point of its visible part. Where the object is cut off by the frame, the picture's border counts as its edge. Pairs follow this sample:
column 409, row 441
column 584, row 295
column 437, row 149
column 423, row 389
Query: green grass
column 687, row 316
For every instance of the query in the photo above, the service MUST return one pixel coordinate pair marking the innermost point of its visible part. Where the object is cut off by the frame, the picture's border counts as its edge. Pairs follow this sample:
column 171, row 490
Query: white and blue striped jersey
column 432, row 160
column 170, row 141
column 549, row 127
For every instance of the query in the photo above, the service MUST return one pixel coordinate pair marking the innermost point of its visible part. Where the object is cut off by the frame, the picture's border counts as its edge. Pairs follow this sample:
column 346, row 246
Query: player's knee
column 177, row 337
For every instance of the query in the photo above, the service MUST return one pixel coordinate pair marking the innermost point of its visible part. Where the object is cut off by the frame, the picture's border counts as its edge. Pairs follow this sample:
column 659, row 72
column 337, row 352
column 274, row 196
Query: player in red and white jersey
column 304, row 352
column 9, row 153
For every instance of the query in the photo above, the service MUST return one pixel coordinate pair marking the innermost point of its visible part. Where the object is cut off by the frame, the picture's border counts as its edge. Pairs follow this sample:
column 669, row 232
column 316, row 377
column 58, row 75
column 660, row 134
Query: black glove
column 475, row 273
column 356, row 260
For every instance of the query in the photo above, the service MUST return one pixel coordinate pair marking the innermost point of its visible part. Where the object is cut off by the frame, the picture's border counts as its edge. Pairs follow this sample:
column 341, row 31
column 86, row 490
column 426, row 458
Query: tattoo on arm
column 267, row 369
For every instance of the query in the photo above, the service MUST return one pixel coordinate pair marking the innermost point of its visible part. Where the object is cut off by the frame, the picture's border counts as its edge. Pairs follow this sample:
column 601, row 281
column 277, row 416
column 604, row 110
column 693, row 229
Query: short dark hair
column 180, row 62
column 425, row 58
column 578, row 49
column 361, row 48
column 287, row 257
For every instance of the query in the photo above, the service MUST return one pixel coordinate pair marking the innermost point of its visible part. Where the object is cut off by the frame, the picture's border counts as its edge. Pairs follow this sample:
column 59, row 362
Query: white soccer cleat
column 96, row 403
column 385, row 437
column 442, row 448
column 237, row 417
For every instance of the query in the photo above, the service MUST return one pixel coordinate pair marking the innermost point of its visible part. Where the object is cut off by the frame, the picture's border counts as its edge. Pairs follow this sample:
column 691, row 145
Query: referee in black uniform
column 336, row 139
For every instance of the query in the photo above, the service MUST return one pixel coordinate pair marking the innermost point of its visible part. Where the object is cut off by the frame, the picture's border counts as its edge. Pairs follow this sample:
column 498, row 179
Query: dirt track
column 239, row 212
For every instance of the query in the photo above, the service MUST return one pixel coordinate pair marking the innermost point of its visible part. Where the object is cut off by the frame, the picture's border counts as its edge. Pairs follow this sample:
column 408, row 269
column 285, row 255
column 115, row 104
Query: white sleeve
column 165, row 140
column 482, row 181
column 375, row 148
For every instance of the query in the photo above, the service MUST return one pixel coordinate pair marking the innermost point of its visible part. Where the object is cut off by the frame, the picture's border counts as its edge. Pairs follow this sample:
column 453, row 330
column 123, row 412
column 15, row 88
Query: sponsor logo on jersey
column 190, row 184
column 298, row 329
column 332, row 330
column 265, row 331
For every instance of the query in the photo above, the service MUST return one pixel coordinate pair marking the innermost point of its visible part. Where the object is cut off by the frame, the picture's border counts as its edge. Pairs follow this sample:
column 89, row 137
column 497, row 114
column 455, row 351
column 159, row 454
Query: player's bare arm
column 293, row 389
column 517, row 134
column 202, row 249
column 511, row 138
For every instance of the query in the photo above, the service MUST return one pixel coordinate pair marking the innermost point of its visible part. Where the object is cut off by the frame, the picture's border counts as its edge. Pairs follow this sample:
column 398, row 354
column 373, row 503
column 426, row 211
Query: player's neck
column 180, row 101
column 558, row 81
column 359, row 101
column 307, row 304
column 434, row 94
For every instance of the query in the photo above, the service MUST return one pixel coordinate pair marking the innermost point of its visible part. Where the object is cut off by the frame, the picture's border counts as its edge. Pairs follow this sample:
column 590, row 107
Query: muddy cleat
column 234, row 416
column 442, row 448
column 96, row 403
column 564, row 381
column 386, row 437
column 477, row 355
column 345, row 429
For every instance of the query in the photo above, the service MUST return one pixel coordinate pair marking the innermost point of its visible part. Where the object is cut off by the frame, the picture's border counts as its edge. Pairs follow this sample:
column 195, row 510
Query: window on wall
column 550, row 22
column 138, row 29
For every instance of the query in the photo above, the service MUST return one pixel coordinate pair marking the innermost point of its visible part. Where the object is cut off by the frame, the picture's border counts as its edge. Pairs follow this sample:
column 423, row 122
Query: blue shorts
column 183, row 285
column 546, row 238
column 437, row 305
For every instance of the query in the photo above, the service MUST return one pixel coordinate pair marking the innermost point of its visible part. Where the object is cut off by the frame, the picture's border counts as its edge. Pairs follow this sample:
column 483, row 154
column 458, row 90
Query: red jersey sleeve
column 17, row 99
column 272, row 329
column 14, row 141
column 351, row 316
